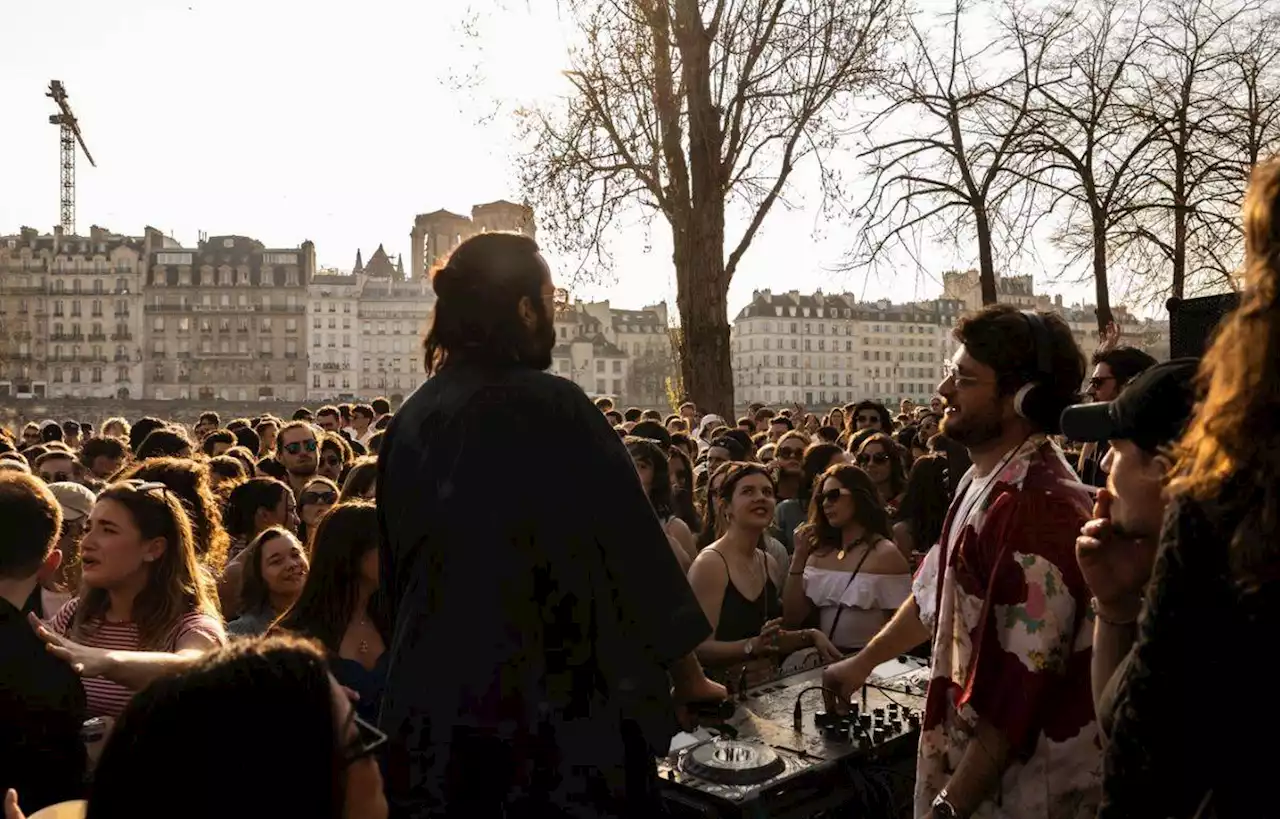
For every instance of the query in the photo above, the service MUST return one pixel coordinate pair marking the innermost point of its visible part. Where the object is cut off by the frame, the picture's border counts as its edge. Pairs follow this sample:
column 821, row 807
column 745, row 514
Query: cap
column 1151, row 411
column 76, row 500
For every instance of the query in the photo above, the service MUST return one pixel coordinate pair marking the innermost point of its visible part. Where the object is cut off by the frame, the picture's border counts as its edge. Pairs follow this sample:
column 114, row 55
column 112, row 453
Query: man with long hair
column 529, row 668
column 1008, row 729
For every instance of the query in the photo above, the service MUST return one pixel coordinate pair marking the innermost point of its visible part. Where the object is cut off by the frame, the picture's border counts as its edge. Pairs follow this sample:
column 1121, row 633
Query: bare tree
column 1090, row 145
column 1184, row 86
column 965, row 112
column 689, row 109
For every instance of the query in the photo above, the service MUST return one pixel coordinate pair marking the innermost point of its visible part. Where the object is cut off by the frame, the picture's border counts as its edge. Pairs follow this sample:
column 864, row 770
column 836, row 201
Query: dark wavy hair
column 478, row 293
column 208, row 710
column 897, row 470
column 925, row 503
column 189, row 480
column 867, row 509
column 816, row 460
column 682, row 496
column 323, row 610
column 1000, row 337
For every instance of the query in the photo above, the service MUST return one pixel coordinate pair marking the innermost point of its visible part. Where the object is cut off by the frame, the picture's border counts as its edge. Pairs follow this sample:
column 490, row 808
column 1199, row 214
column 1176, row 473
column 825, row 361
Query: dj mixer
column 781, row 755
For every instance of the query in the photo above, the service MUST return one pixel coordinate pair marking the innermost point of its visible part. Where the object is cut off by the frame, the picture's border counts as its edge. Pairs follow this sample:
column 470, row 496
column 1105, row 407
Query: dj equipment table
column 781, row 755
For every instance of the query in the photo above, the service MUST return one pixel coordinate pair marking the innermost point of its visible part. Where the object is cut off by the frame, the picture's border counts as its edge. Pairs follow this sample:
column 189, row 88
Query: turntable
column 779, row 755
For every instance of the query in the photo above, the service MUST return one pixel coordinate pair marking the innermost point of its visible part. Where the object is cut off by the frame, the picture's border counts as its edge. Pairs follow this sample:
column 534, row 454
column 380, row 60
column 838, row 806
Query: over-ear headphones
column 1029, row 401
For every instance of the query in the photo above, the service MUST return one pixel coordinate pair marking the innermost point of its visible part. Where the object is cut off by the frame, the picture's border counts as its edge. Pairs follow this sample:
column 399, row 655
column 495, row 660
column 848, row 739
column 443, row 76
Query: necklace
column 364, row 643
column 845, row 549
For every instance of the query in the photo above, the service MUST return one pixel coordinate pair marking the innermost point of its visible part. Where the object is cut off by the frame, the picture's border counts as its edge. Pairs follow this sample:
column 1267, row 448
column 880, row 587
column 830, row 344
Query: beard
column 973, row 427
column 541, row 343
column 305, row 469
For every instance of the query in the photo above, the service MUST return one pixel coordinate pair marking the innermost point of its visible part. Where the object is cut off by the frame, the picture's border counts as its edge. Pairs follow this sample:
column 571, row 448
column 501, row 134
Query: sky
column 286, row 121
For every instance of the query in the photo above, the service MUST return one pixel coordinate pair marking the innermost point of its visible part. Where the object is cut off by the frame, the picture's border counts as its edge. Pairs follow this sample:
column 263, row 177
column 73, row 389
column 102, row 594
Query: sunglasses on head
column 876, row 458
column 297, row 446
column 791, row 454
column 369, row 740
column 320, row 497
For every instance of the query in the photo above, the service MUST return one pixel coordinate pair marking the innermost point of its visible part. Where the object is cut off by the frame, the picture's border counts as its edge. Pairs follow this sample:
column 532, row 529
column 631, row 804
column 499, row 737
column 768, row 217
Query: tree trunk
column 986, row 260
column 1101, row 290
column 1180, row 221
column 702, row 296
column 702, row 282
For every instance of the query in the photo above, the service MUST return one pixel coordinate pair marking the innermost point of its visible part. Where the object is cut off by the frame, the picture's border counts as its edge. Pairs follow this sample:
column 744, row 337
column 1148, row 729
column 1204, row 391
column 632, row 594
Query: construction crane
column 69, row 136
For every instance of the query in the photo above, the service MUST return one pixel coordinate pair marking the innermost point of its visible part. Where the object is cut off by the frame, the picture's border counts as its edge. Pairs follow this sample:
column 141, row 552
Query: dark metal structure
column 69, row 135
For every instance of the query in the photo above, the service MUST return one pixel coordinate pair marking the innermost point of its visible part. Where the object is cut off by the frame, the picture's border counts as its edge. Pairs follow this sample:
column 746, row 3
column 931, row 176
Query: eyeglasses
column 875, row 458
column 369, row 740
column 320, row 497
column 959, row 379
column 791, row 454
column 296, row 446
column 832, row 496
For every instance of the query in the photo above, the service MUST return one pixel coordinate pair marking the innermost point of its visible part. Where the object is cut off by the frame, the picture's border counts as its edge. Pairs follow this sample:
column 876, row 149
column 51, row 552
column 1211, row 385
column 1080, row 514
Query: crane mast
column 69, row 135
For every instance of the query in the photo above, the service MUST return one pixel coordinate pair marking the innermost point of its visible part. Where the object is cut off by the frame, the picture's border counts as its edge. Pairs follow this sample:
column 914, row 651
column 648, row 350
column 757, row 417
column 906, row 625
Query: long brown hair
column 175, row 586
column 1234, row 432
column 189, row 480
column 867, row 508
column 323, row 610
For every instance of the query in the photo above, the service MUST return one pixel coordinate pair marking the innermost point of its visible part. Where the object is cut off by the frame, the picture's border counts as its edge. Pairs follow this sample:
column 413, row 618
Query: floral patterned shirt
column 1012, row 640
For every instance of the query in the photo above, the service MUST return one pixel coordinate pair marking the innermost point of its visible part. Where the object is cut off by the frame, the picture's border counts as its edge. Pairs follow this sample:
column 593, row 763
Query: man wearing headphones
column 1008, row 729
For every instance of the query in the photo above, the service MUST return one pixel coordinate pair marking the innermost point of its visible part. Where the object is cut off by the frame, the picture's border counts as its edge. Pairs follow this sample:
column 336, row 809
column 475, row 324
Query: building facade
column 1146, row 334
column 366, row 331
column 436, row 234
column 70, row 313
column 227, row 320
column 825, row 350
column 625, row 355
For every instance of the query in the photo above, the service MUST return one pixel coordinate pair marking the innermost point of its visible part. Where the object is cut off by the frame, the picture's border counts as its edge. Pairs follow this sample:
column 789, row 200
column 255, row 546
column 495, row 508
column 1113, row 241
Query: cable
column 797, row 716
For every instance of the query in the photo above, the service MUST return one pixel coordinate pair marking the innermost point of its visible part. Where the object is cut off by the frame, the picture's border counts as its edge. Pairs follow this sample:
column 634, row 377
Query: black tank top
column 741, row 618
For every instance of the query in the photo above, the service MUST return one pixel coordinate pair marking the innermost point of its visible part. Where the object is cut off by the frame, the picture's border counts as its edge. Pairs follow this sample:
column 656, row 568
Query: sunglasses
column 791, row 454
column 139, row 485
column 320, row 497
column 832, row 496
column 877, row 458
column 369, row 740
column 297, row 446
column 867, row 419
column 333, row 460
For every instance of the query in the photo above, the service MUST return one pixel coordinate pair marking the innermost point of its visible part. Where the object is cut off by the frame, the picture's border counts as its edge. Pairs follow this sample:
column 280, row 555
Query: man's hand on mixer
column 840, row 681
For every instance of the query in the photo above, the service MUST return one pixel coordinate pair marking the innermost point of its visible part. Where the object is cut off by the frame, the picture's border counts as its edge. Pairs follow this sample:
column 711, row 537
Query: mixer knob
column 865, row 721
column 878, row 736
column 895, row 726
column 879, row 713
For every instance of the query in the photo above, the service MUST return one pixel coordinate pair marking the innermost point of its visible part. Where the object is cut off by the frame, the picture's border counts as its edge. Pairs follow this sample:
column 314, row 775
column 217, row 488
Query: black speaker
column 1193, row 321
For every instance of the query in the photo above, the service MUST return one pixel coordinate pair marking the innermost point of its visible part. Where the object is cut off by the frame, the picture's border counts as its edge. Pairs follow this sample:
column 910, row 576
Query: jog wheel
column 733, row 762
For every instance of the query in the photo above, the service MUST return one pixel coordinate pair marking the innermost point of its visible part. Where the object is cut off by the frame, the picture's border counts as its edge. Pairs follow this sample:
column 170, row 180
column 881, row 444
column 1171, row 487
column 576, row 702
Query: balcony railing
column 97, row 336
column 122, row 336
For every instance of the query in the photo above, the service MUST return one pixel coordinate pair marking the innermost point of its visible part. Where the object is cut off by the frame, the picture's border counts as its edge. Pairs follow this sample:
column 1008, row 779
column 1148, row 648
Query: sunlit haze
column 286, row 121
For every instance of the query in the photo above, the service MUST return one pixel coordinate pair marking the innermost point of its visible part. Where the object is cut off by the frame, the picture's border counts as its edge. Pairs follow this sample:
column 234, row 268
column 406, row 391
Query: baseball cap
column 1151, row 411
column 76, row 500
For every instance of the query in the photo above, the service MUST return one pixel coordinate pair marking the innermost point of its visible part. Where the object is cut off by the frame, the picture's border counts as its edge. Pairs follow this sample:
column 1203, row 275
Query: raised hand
column 85, row 661
column 1115, row 568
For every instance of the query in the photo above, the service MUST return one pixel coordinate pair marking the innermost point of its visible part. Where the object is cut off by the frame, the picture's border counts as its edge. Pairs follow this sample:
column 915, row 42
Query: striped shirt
column 106, row 698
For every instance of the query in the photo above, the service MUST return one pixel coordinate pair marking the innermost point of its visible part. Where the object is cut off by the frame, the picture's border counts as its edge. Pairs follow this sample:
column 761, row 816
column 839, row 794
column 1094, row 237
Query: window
column 600, row 369
column 315, row 381
column 184, row 325
column 291, row 325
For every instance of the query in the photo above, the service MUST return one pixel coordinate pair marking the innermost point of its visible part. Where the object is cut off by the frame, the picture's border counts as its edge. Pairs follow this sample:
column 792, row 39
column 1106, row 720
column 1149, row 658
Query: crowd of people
column 504, row 600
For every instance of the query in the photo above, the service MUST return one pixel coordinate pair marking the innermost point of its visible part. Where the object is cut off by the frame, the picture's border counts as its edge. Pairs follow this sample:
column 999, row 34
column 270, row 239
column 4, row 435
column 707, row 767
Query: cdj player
column 780, row 755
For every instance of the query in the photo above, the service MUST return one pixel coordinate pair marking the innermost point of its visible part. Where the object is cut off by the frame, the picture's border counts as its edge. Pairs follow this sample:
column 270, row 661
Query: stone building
column 435, row 235
column 70, row 313
column 333, row 309
column 366, row 331
column 825, row 350
column 1147, row 334
column 622, row 354
column 227, row 320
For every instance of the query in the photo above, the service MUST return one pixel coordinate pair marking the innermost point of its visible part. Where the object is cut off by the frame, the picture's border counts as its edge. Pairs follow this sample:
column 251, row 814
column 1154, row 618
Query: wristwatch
column 942, row 807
